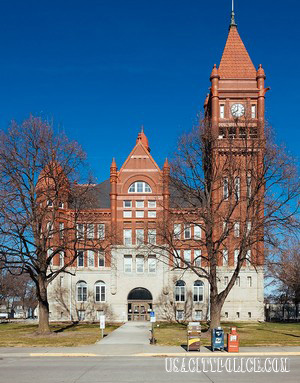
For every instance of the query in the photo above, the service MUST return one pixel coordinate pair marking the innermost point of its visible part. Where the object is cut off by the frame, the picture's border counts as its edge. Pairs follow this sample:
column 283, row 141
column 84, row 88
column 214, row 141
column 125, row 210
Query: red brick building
column 122, row 275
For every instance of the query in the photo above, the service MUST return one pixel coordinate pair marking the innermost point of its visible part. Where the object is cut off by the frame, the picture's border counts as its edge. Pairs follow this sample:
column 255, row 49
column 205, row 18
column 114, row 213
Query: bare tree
column 284, row 269
column 236, row 192
column 41, row 208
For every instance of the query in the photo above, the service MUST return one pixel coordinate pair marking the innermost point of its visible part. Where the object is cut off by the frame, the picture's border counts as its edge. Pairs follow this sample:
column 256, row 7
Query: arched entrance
column 139, row 304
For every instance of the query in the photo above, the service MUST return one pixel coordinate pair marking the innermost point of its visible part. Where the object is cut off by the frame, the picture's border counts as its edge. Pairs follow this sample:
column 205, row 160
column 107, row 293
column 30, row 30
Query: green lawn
column 64, row 335
column 251, row 334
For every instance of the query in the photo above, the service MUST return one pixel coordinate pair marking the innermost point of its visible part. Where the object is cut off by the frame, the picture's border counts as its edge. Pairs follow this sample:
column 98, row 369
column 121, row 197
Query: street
column 123, row 369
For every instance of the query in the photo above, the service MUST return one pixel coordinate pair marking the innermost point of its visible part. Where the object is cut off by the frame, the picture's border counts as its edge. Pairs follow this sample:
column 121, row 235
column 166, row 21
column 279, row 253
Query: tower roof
column 236, row 62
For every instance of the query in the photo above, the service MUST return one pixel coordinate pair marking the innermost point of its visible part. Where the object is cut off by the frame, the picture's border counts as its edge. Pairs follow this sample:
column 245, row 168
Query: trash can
column 217, row 339
column 233, row 340
column 193, row 336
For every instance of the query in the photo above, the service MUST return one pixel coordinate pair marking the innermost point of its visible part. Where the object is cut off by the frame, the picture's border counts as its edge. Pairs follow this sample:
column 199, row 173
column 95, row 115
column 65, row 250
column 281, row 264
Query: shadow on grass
column 72, row 325
column 279, row 332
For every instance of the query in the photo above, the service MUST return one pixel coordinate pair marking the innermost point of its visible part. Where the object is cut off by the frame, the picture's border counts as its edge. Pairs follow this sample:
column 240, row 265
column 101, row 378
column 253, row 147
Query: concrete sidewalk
column 130, row 333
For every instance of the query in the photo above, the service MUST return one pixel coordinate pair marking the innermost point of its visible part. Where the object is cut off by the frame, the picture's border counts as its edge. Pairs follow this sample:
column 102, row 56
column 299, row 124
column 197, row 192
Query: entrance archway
column 139, row 304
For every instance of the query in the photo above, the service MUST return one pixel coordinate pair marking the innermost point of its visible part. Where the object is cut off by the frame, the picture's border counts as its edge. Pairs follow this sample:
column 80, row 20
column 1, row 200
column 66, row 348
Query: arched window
column 139, row 187
column 100, row 291
column 198, row 291
column 81, row 288
column 180, row 291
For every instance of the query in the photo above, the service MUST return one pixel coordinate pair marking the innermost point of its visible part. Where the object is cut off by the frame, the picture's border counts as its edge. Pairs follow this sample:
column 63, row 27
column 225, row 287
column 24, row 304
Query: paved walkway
column 128, row 334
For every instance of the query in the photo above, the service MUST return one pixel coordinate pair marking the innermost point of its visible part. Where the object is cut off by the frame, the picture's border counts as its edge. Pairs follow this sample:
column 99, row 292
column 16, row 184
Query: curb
column 145, row 355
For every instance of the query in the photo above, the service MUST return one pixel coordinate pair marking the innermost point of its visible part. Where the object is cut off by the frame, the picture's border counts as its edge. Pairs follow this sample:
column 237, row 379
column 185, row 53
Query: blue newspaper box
column 217, row 339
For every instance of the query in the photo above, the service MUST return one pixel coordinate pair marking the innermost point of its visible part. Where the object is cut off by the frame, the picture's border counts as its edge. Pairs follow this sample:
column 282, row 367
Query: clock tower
column 235, row 110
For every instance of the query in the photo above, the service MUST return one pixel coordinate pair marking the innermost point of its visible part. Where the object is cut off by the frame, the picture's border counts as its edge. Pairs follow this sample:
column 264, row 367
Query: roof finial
column 232, row 22
column 142, row 128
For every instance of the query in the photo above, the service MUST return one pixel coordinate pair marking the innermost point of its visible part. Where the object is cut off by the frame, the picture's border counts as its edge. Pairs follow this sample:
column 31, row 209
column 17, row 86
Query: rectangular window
column 139, row 214
column 238, row 281
column 222, row 111
column 127, row 214
column 127, row 237
column 242, row 132
column 49, row 229
column 151, row 264
column 222, row 132
column 198, row 293
column 248, row 227
column 226, row 314
column 179, row 315
column 225, row 257
column 197, row 258
column 236, row 256
column 248, row 258
column 236, row 229
column 139, row 204
column 225, row 281
column 151, row 214
column 187, row 231
column 61, row 205
column 237, row 188
column 61, row 259
column 176, row 258
column 151, row 204
column 197, row 232
column 249, row 187
column 177, row 230
column 80, row 230
column 238, row 314
column 225, row 189
column 127, row 263
column 101, row 258
column 81, row 315
column 249, row 314
column 127, row 204
column 101, row 231
column 80, row 258
column 139, row 187
column 198, row 315
column 187, row 256
column 180, row 293
column 225, row 227
column 253, row 111
column 91, row 258
column 61, row 230
column 100, row 292
column 90, row 230
column 152, row 236
column 249, row 281
column 139, row 264
column 139, row 236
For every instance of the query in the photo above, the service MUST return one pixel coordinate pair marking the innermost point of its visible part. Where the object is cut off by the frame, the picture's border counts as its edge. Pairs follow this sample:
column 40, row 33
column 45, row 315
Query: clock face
column 237, row 110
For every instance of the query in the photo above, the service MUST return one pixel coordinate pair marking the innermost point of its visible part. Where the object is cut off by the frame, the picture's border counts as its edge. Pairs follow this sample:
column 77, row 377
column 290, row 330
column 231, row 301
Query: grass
column 63, row 335
column 251, row 334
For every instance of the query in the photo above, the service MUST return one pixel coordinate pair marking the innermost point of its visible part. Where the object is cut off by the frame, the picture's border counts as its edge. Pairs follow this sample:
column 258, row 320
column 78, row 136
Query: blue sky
column 100, row 69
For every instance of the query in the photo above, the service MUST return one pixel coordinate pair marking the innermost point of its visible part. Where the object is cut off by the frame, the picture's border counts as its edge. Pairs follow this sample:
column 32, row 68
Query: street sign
column 152, row 317
column 102, row 322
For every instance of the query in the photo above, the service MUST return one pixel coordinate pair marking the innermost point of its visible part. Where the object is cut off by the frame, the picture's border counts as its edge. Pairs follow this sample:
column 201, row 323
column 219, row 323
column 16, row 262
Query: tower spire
column 232, row 22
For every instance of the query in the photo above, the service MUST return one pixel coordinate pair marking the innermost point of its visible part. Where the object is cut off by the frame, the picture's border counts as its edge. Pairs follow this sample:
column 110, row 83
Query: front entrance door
column 139, row 311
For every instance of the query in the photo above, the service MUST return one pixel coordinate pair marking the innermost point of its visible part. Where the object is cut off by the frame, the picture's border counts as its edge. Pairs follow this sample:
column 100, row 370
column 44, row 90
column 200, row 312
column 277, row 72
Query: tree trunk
column 215, row 311
column 44, row 327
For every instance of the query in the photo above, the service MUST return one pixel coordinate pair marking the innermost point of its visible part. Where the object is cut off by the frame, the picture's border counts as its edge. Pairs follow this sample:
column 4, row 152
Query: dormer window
column 139, row 187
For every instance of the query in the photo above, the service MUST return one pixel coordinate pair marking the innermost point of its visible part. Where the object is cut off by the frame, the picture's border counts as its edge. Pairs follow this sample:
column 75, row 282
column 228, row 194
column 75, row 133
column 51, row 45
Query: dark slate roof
column 180, row 198
column 96, row 196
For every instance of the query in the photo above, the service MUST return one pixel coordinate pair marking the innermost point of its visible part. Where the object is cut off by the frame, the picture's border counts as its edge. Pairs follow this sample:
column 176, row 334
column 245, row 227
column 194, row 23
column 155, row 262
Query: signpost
column 152, row 321
column 102, row 324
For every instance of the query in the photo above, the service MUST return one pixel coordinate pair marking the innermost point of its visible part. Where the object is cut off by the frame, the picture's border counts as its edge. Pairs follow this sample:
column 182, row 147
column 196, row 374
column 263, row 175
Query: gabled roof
column 236, row 62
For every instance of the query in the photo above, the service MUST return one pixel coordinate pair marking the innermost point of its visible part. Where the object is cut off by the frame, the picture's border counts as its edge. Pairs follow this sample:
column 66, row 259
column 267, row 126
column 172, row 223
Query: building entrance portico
column 139, row 304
